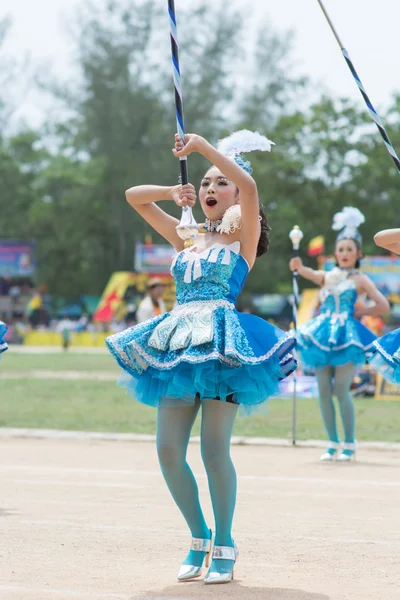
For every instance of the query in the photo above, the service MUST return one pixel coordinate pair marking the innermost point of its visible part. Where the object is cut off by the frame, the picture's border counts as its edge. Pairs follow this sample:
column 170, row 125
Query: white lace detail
column 335, row 348
column 192, row 359
column 232, row 357
column 188, row 307
column 382, row 351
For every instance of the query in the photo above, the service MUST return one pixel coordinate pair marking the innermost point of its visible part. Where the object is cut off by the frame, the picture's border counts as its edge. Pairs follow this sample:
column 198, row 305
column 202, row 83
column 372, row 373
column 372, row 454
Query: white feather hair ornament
column 348, row 217
column 244, row 141
column 347, row 222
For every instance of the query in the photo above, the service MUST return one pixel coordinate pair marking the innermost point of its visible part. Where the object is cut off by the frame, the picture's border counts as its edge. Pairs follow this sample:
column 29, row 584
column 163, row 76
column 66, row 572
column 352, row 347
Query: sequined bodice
column 217, row 273
column 339, row 299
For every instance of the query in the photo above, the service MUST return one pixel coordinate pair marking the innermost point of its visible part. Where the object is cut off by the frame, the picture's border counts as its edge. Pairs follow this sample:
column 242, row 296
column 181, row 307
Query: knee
column 341, row 391
column 169, row 456
column 215, row 460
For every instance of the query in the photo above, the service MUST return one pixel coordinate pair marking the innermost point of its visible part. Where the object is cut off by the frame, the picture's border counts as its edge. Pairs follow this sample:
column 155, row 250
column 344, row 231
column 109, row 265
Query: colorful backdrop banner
column 17, row 259
column 156, row 258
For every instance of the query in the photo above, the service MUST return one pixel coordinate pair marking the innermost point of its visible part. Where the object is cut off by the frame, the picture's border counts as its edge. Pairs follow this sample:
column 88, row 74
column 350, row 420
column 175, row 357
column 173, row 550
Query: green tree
column 123, row 108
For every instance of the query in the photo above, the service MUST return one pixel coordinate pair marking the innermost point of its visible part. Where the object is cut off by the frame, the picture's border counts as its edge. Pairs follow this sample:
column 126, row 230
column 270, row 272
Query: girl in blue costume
column 334, row 343
column 386, row 358
column 204, row 355
column 3, row 331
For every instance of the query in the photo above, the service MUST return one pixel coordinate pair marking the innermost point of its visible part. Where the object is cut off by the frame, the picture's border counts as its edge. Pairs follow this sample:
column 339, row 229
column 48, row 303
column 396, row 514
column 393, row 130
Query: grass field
column 66, row 361
column 26, row 400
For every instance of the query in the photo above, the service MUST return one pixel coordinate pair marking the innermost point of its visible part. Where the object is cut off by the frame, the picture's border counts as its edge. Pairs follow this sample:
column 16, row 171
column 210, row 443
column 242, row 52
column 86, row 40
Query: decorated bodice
column 217, row 273
column 339, row 295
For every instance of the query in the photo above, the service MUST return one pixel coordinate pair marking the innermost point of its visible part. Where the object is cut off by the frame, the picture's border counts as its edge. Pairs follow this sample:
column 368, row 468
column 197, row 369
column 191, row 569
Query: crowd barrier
column 52, row 338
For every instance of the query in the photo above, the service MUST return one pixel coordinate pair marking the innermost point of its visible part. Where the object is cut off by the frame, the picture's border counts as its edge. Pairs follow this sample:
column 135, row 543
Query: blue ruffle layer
column 389, row 372
column 386, row 358
column 246, row 358
column 313, row 358
column 249, row 385
column 321, row 343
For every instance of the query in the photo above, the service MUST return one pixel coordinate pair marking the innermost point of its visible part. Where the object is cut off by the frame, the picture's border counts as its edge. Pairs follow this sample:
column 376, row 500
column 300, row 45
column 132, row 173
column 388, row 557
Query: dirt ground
column 94, row 520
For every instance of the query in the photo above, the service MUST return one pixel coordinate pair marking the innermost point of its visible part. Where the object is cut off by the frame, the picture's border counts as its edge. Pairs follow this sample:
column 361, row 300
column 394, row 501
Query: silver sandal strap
column 333, row 445
column 224, row 552
column 201, row 545
column 349, row 446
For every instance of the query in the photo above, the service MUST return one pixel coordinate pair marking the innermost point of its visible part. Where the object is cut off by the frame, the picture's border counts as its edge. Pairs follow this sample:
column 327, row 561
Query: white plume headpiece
column 244, row 141
column 347, row 222
column 348, row 217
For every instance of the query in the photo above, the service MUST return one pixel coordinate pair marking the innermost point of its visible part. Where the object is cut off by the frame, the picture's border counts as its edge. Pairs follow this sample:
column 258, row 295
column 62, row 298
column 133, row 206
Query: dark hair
column 358, row 246
column 263, row 242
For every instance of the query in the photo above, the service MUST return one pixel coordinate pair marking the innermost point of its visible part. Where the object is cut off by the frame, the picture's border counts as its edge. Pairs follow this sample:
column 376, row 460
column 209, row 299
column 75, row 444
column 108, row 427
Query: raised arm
column 248, row 194
column 143, row 199
column 317, row 277
column 388, row 239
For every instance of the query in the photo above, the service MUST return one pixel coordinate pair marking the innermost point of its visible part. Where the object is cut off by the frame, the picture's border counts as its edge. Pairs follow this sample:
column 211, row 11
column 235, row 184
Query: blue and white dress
column 386, row 358
column 204, row 347
column 335, row 337
column 3, row 331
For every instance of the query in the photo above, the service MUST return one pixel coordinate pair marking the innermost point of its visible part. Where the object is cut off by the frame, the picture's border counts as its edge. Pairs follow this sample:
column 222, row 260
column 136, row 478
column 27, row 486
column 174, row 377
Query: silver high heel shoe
column 348, row 452
column 226, row 553
column 187, row 572
column 330, row 453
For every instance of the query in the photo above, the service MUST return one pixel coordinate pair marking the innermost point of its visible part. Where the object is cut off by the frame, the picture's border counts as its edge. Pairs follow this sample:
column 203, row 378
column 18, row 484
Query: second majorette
column 335, row 342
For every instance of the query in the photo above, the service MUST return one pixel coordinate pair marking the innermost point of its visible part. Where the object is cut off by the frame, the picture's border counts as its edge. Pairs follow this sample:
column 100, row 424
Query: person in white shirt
column 152, row 304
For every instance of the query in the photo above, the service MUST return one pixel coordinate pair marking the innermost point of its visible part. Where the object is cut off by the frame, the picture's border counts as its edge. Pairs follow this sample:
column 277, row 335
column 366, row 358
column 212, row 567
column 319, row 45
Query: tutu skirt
column 206, row 350
column 325, row 341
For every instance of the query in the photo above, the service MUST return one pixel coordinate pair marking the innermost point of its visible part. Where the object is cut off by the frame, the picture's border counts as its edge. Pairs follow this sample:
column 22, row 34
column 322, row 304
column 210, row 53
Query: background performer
column 334, row 343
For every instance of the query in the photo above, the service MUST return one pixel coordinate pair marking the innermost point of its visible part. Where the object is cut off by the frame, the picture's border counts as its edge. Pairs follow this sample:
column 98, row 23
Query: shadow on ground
column 5, row 512
column 198, row 591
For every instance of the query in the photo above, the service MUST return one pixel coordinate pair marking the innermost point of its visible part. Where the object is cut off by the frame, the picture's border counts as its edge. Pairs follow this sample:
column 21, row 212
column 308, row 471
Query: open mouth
column 210, row 201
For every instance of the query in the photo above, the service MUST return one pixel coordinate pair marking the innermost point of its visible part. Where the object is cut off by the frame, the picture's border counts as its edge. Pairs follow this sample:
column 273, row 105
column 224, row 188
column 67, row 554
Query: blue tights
column 174, row 425
column 337, row 381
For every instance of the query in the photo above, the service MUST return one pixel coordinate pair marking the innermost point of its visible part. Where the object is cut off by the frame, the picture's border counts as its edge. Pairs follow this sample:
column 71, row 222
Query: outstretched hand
column 192, row 144
column 184, row 195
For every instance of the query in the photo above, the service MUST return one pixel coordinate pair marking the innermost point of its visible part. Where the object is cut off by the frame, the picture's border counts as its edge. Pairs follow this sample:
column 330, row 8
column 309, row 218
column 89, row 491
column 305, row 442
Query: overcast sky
column 368, row 30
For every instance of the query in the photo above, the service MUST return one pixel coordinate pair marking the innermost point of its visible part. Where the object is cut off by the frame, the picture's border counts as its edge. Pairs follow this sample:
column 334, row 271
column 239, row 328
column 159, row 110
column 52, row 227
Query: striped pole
column 296, row 235
column 178, row 89
column 187, row 228
column 368, row 102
